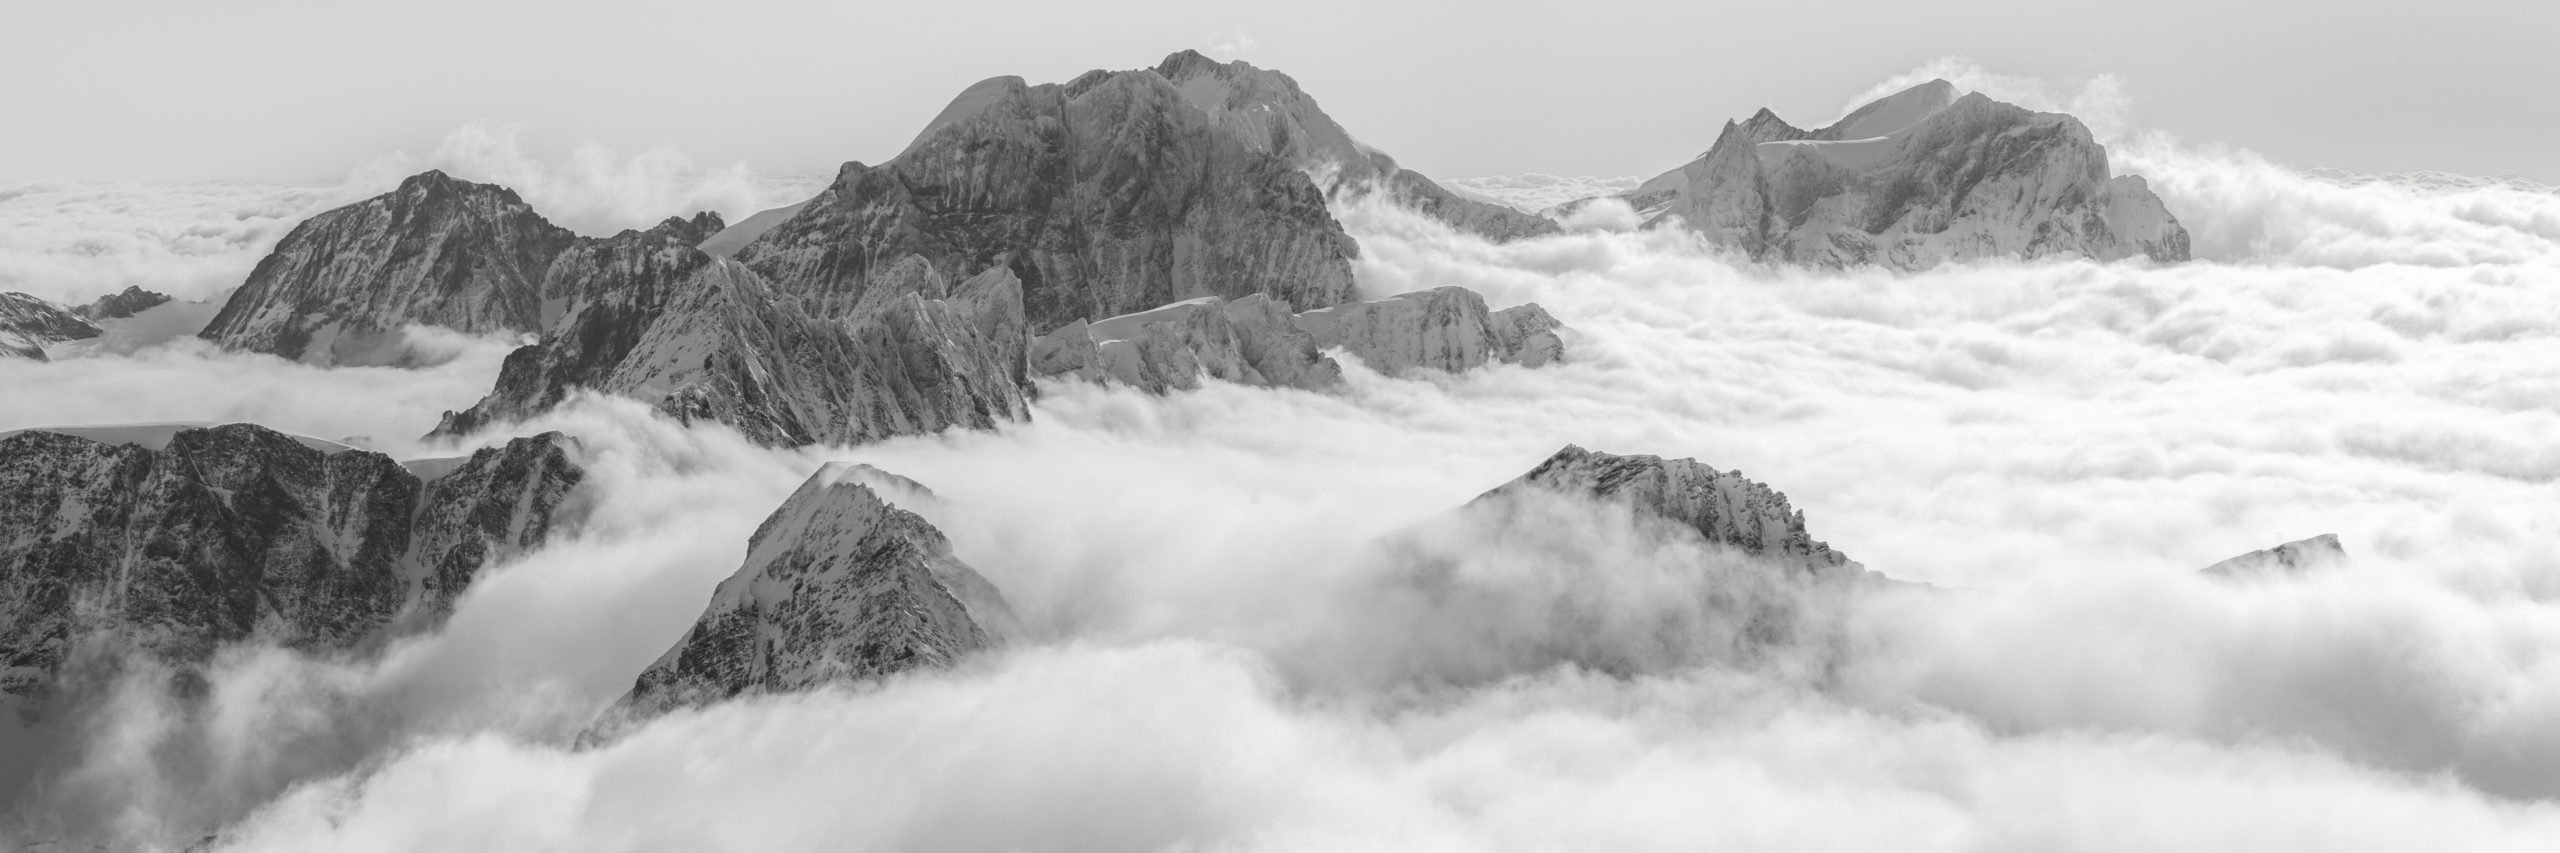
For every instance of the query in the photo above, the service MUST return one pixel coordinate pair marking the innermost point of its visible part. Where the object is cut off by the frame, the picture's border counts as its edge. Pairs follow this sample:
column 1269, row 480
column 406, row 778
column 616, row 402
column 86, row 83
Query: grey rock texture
column 118, row 306
column 1268, row 112
column 1104, row 195
column 1448, row 329
column 498, row 504
column 1922, row 177
column 2289, row 559
column 205, row 536
column 1252, row 340
column 436, row 251
column 29, row 324
column 1723, row 506
column 838, row 586
column 1255, row 341
column 648, row 316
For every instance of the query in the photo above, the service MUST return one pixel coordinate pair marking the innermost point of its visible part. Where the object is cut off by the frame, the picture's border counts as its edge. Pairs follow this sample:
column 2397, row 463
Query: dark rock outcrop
column 1725, row 507
column 1250, row 341
column 648, row 316
column 172, row 541
column 118, row 306
column 497, row 504
column 838, row 586
column 436, row 251
column 1255, row 341
column 28, row 325
column 1922, row 177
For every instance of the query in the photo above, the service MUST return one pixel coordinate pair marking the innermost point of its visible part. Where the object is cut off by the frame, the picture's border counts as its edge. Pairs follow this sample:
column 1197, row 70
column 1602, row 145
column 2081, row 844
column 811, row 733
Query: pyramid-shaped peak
column 1891, row 113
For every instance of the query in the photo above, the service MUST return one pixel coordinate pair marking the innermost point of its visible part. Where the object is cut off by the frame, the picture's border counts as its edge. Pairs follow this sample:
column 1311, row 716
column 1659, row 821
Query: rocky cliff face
column 1267, row 111
column 498, row 504
column 1104, row 195
column 838, row 586
column 122, row 304
column 645, row 315
column 1923, row 177
column 1722, row 506
column 1250, row 341
column 1254, row 341
column 437, row 251
column 28, row 325
column 171, row 543
column 1448, row 329
column 2291, row 558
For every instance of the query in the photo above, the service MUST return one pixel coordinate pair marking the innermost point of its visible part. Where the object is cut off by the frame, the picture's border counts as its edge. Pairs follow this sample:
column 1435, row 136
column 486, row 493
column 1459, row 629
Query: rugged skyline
column 968, row 501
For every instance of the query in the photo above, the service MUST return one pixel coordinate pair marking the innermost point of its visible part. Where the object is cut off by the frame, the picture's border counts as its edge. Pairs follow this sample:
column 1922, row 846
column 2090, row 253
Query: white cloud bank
column 1220, row 660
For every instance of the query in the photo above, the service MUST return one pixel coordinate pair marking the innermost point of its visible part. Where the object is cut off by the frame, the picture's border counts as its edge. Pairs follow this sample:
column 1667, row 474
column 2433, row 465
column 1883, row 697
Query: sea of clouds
column 1223, row 651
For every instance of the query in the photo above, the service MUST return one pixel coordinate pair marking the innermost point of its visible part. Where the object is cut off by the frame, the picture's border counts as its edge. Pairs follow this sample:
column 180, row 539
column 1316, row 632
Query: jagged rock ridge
column 1723, row 506
column 838, row 586
column 29, row 324
column 437, row 251
column 188, row 538
column 120, row 305
column 1448, row 329
column 1254, row 341
column 648, row 316
column 1922, row 177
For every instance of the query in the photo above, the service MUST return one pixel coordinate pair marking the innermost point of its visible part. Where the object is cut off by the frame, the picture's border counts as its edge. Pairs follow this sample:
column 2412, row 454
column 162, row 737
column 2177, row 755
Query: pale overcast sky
column 266, row 89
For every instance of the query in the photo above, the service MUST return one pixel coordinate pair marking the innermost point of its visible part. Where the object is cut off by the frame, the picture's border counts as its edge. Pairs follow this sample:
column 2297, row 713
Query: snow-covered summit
column 1921, row 177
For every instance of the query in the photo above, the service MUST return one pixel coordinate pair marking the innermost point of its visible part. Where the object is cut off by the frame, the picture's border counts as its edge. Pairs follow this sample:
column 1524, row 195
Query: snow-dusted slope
column 1723, row 506
column 838, row 586
column 1254, row 341
column 28, row 325
column 1922, row 177
column 220, row 533
column 1250, row 340
column 1104, row 195
column 1448, row 329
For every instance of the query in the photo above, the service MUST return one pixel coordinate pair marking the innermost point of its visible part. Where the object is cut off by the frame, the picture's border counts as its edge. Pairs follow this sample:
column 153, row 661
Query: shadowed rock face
column 1723, row 506
column 1920, row 178
column 1248, row 341
column 1253, row 341
column 1104, row 195
column 1448, row 329
column 28, row 325
column 229, row 532
column 500, row 503
column 2286, row 560
column 117, row 306
column 437, row 251
column 838, row 586
column 647, row 316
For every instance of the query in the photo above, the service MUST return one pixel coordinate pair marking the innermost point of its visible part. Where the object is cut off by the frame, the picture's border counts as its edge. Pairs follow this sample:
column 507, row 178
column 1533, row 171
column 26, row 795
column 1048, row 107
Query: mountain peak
column 1895, row 112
